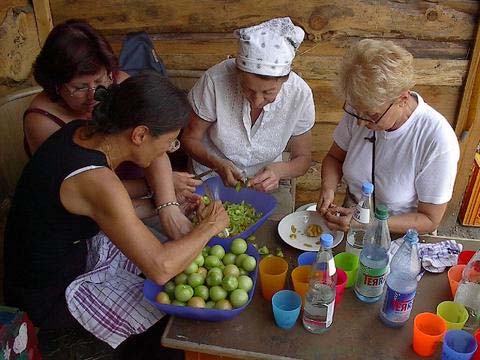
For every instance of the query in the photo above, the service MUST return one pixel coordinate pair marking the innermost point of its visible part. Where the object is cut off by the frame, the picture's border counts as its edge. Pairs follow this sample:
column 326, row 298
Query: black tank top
column 42, row 239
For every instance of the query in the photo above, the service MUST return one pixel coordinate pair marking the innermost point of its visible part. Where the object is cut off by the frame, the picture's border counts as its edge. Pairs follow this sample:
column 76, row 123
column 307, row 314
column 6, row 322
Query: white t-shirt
column 217, row 97
column 416, row 162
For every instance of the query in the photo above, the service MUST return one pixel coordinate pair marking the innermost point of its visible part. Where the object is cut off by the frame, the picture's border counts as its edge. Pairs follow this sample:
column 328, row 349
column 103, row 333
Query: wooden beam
column 321, row 19
column 43, row 17
column 468, row 127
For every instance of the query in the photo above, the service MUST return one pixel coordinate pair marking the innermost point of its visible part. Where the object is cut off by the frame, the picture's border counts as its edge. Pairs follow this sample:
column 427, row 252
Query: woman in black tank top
column 68, row 191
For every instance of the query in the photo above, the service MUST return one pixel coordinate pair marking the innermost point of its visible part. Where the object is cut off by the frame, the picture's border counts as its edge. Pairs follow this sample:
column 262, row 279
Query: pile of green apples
column 214, row 280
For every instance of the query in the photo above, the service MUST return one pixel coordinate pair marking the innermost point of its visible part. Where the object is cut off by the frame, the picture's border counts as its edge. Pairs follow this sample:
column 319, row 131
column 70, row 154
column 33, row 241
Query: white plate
column 309, row 206
column 301, row 219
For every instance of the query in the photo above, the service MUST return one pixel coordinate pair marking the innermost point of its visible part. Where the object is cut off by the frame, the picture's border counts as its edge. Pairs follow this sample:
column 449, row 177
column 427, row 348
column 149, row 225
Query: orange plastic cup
column 300, row 280
column 273, row 272
column 454, row 277
column 428, row 331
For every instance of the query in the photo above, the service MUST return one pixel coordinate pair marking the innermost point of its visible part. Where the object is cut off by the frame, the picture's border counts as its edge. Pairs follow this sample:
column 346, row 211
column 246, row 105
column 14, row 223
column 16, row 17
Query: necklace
column 106, row 148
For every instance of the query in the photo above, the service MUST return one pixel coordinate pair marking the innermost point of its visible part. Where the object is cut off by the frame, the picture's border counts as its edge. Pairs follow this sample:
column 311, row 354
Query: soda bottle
column 401, row 282
column 373, row 265
column 320, row 296
column 468, row 292
column 362, row 217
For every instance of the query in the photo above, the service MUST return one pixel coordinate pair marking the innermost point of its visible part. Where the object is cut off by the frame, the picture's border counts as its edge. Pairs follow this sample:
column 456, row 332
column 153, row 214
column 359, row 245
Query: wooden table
column 356, row 332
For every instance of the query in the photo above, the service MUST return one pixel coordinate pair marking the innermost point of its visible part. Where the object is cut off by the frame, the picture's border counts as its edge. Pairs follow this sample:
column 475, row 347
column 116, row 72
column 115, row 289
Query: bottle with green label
column 374, row 258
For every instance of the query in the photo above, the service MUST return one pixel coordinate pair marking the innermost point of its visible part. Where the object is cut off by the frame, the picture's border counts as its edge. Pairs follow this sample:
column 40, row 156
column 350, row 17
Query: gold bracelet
column 170, row 203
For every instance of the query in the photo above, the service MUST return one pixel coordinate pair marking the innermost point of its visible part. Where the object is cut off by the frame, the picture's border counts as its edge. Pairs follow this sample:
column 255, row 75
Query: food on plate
column 313, row 230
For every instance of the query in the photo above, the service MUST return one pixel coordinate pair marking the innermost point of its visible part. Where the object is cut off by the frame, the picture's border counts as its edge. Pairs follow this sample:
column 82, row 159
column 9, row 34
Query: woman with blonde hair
column 388, row 136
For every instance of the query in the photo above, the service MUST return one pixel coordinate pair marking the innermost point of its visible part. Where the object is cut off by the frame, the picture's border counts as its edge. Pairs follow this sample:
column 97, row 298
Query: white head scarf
column 268, row 48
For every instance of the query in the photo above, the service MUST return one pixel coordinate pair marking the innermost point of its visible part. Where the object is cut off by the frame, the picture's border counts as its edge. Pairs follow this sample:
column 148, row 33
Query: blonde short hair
column 374, row 72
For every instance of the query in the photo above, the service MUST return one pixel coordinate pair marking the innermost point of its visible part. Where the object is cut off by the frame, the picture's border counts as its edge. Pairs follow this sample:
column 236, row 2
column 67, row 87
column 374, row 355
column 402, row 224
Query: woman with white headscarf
column 246, row 110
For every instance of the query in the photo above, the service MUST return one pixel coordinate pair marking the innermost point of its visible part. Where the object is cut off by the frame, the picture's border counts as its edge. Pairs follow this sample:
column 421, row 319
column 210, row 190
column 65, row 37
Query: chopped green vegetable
column 206, row 200
column 263, row 250
column 251, row 238
column 279, row 252
column 241, row 217
column 307, row 245
column 238, row 186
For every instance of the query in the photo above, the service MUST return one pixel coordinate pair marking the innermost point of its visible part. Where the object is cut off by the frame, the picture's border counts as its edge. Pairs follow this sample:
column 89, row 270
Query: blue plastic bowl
column 150, row 291
column 263, row 203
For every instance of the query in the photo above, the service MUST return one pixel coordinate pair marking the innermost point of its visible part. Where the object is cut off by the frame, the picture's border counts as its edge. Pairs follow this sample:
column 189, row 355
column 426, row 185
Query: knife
column 201, row 175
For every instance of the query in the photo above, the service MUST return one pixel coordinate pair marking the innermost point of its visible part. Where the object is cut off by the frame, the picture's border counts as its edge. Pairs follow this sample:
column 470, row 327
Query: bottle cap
column 367, row 188
column 411, row 236
column 381, row 212
column 326, row 240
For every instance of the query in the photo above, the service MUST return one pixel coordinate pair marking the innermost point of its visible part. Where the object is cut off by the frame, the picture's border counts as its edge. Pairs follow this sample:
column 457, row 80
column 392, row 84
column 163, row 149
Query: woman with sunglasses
column 390, row 137
column 61, row 201
column 73, row 62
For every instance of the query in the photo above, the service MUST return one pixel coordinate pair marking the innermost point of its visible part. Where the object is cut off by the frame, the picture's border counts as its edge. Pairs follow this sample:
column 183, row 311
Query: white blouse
column 416, row 162
column 218, row 98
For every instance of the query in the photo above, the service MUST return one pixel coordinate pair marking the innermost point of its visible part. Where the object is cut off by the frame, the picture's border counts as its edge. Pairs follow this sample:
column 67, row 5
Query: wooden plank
column 322, row 19
column 226, row 45
column 468, row 127
column 43, row 17
column 427, row 71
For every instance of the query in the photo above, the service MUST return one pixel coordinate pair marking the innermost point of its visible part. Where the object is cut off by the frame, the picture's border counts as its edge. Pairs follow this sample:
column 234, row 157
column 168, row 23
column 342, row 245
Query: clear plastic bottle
column 362, row 217
column 320, row 297
column 373, row 265
column 468, row 292
column 401, row 282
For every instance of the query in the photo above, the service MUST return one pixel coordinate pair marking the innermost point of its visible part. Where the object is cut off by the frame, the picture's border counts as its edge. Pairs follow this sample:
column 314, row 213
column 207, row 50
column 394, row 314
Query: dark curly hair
column 148, row 99
column 72, row 48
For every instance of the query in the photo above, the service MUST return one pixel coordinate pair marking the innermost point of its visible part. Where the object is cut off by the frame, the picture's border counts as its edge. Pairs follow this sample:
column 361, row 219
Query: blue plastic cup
column 306, row 258
column 286, row 306
column 458, row 345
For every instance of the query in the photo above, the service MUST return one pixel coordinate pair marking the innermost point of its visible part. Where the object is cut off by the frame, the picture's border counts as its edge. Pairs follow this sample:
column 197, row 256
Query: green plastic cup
column 454, row 314
column 348, row 262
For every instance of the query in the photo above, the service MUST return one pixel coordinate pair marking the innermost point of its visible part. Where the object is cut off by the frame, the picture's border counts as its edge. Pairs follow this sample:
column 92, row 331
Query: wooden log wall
column 191, row 36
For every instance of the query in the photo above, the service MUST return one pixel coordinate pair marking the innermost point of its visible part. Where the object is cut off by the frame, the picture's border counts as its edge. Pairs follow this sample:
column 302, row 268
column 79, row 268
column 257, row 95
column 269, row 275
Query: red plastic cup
column 476, row 356
column 465, row 256
column 342, row 279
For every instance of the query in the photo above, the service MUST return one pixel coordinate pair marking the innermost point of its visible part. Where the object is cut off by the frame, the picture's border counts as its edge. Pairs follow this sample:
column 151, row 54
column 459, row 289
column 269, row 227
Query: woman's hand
column 325, row 201
column 266, row 179
column 228, row 172
column 338, row 218
column 185, row 185
column 174, row 223
column 213, row 214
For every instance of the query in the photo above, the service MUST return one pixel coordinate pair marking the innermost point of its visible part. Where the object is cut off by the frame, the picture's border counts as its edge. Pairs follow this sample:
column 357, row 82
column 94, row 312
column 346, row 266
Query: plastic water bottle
column 362, row 217
column 468, row 292
column 401, row 282
column 320, row 297
column 373, row 265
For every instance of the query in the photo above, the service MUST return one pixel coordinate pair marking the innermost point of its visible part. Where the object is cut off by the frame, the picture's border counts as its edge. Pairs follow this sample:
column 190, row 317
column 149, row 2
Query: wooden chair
column 12, row 153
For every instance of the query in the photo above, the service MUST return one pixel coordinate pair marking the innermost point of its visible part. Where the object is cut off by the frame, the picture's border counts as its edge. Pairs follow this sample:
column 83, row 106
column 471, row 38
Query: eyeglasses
column 80, row 92
column 174, row 146
column 351, row 111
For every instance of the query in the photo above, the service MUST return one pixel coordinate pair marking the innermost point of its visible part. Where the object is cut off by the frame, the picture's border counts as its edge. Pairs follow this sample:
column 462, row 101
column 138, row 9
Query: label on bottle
column 331, row 267
column 370, row 281
column 330, row 309
column 361, row 215
column 397, row 306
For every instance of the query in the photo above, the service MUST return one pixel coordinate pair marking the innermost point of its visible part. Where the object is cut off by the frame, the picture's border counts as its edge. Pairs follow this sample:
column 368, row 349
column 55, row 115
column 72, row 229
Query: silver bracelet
column 170, row 203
